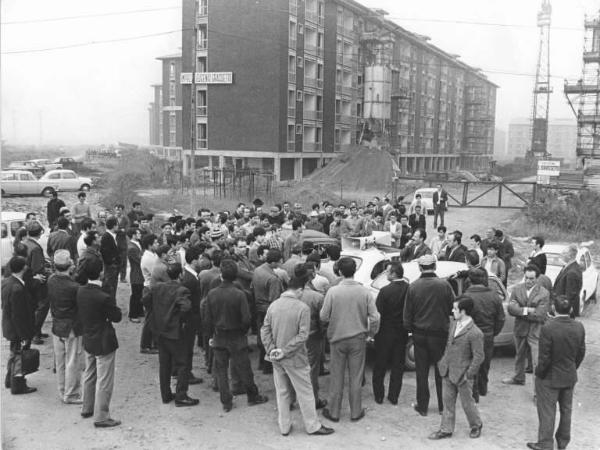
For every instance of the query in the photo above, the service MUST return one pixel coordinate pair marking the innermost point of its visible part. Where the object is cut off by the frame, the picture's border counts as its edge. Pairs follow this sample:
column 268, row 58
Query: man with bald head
column 570, row 279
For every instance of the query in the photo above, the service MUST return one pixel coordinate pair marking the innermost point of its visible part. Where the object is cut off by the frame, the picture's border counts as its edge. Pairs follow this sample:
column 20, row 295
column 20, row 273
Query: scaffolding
column 583, row 96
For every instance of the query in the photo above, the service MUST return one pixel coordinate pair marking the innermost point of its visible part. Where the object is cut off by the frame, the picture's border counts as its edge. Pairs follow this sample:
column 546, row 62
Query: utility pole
column 193, row 114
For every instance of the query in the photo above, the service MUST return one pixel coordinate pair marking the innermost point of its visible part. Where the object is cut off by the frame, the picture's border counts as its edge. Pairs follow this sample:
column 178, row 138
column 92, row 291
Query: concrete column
column 298, row 168
column 221, row 161
column 277, row 169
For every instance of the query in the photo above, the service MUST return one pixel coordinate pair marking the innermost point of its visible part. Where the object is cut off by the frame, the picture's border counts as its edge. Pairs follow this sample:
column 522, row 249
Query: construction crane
column 542, row 88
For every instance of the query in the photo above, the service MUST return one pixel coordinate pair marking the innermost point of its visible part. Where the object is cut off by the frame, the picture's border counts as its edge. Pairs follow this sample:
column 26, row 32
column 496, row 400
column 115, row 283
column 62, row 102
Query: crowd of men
column 205, row 283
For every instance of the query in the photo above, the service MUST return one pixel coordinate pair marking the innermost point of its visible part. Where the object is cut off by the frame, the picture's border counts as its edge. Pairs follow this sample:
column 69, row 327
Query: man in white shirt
column 86, row 225
column 438, row 243
column 149, row 260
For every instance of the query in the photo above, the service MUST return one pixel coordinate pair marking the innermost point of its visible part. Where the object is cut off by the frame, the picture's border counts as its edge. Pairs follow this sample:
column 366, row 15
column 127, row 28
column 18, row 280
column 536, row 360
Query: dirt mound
column 359, row 169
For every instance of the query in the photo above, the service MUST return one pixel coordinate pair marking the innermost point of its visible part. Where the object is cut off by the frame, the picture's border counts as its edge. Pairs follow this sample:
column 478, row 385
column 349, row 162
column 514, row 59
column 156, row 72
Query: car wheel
column 84, row 187
column 47, row 192
column 409, row 358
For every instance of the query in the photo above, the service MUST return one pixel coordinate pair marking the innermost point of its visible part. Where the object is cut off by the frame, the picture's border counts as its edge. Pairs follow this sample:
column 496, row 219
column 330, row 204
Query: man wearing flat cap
column 427, row 310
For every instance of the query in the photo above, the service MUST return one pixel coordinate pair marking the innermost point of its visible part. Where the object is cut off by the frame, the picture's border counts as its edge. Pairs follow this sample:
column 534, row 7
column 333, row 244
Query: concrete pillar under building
column 277, row 169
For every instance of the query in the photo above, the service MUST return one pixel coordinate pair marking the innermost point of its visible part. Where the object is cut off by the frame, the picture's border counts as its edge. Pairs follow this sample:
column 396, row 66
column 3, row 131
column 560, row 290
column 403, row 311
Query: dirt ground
column 41, row 421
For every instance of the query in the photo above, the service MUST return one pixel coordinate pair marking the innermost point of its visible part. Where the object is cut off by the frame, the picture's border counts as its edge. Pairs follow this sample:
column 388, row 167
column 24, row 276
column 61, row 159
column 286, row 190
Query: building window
column 299, row 129
column 202, row 37
column 202, row 135
column 300, row 61
column 299, row 96
column 201, row 66
column 172, row 71
column 300, row 29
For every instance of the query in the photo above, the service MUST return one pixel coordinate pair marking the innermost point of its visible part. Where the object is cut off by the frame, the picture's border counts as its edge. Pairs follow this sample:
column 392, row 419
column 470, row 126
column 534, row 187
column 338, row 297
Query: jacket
column 415, row 222
column 89, row 255
column 497, row 268
column 530, row 324
column 97, row 309
column 540, row 261
column 561, row 351
column 134, row 254
column 456, row 254
column 463, row 354
column 191, row 282
column 569, row 282
column 314, row 300
column 428, row 305
column 62, row 296
column 440, row 200
column 506, row 252
column 61, row 240
column 266, row 286
column 17, row 312
column 227, row 312
column 410, row 252
column 109, row 250
column 169, row 302
column 488, row 313
column 390, row 304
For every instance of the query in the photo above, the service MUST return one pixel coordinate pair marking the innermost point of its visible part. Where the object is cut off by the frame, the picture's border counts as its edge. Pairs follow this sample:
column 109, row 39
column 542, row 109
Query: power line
column 85, row 16
column 490, row 24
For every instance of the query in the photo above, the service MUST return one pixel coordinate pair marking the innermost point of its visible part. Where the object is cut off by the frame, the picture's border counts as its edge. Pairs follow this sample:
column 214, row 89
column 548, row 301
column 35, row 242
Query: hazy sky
column 100, row 93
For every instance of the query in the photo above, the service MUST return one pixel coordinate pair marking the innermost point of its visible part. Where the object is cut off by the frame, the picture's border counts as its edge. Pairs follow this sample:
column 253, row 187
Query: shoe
column 475, row 432
column 239, row 391
column 362, row 414
column 324, row 373
column 7, row 379
column 329, row 417
column 37, row 341
column 19, row 387
column 560, row 445
column 44, row 335
column 287, row 433
column 393, row 401
column 134, row 320
column 416, row 408
column 258, row 400
column 186, row 401
column 73, row 401
column 529, row 370
column 293, row 406
column 227, row 407
column 511, row 380
column 169, row 399
column 108, row 423
column 379, row 400
column 320, row 404
column 195, row 380
column 534, row 446
column 439, row 435
column 149, row 351
column 323, row 431
column 87, row 415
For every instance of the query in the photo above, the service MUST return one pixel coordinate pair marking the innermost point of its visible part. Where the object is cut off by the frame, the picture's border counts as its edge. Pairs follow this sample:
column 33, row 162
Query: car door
column 10, row 183
column 69, row 181
column 589, row 272
column 27, row 184
column 505, row 337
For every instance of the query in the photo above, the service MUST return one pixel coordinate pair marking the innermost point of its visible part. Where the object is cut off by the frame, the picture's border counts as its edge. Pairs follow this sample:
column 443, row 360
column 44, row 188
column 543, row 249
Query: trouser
column 348, row 353
column 123, row 265
column 390, row 349
column 438, row 210
column 464, row 389
column 136, row 308
column 480, row 385
column 146, row 339
column 172, row 357
column 98, row 382
column 189, row 335
column 111, row 279
column 574, row 307
column 314, row 348
column 41, row 312
column 547, row 397
column 287, row 377
column 428, row 350
column 521, row 345
column 266, row 366
column 233, row 349
column 68, row 358
column 14, row 365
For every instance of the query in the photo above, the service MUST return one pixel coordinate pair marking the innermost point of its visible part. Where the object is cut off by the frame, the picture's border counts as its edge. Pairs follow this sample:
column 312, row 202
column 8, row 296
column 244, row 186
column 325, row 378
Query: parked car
column 46, row 164
column 584, row 259
column 67, row 180
column 23, row 182
column 69, row 163
column 32, row 167
column 11, row 221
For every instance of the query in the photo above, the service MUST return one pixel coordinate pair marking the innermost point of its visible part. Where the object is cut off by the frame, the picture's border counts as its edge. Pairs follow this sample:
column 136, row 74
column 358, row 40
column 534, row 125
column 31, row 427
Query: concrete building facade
column 562, row 139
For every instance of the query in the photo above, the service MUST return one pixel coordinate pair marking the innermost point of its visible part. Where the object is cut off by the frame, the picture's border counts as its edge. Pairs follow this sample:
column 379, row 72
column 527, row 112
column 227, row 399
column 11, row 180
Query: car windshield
column 425, row 194
column 554, row 259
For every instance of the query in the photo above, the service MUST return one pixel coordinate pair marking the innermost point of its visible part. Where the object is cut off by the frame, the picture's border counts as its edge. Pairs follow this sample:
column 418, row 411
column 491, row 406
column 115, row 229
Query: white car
column 46, row 164
column 67, row 180
column 11, row 221
column 23, row 182
column 584, row 259
column 426, row 198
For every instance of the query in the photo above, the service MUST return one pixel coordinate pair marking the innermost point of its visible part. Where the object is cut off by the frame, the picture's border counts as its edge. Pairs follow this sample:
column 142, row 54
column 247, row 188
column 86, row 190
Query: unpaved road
column 41, row 421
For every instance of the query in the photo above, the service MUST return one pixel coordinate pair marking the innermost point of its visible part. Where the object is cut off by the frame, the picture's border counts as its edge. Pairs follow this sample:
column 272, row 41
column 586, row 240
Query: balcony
column 202, row 143
column 202, row 44
column 342, row 147
column 344, row 118
column 201, row 111
column 292, row 42
column 338, row 88
column 312, row 82
column 291, row 146
column 202, row 10
column 292, row 77
column 291, row 112
column 313, row 115
column 311, row 16
column 339, row 58
column 312, row 147
column 310, row 48
column 347, row 90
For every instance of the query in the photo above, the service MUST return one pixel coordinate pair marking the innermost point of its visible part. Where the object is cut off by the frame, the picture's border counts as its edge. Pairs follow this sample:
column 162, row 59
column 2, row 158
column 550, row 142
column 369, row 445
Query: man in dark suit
column 562, row 348
column 189, row 279
column 17, row 323
column 416, row 247
column 455, row 251
column 440, row 200
column 458, row 367
column 529, row 304
column 170, row 304
column 111, row 256
column 61, row 239
column 136, row 278
column 97, row 309
column 417, row 220
column 122, row 227
column 506, row 252
column 538, row 257
column 390, row 341
column 570, row 279
column 91, row 253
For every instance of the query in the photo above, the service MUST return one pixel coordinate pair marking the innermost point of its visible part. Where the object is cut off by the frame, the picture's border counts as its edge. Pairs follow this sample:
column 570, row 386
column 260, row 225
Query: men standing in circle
column 427, row 315
column 97, row 309
column 458, row 367
column 562, row 348
column 284, row 334
column 170, row 305
column 529, row 304
column 351, row 315
column 390, row 341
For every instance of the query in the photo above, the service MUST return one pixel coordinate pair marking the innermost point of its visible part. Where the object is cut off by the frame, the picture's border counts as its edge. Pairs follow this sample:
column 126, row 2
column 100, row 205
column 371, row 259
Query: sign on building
column 543, row 179
column 186, row 78
column 548, row 168
column 214, row 77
